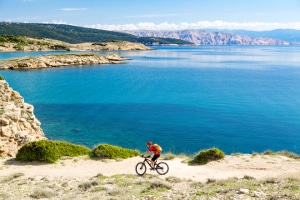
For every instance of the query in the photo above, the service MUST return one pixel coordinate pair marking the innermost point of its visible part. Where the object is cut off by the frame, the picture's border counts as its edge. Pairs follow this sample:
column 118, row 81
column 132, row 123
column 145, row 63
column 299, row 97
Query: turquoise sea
column 237, row 98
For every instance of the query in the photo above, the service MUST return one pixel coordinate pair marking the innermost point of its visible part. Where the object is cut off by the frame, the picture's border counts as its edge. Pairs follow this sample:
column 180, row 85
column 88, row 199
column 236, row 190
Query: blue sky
column 156, row 14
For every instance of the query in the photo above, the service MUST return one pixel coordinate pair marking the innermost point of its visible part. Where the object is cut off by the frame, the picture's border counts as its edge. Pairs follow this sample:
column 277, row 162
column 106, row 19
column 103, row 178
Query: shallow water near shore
column 239, row 99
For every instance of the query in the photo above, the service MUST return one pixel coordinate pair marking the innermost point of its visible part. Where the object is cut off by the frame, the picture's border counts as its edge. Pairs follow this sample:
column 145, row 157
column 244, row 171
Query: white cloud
column 154, row 15
column 72, row 9
column 256, row 26
column 55, row 22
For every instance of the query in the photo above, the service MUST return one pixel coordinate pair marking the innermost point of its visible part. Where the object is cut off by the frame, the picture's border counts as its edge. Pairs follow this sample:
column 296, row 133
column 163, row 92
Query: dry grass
column 17, row 186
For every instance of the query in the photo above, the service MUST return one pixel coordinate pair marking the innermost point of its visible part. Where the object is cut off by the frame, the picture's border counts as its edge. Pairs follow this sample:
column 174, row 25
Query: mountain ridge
column 203, row 37
column 289, row 35
column 76, row 34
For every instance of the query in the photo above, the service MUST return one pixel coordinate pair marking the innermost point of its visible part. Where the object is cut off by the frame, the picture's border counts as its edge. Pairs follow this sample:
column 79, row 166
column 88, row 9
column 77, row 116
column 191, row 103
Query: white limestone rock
column 18, row 125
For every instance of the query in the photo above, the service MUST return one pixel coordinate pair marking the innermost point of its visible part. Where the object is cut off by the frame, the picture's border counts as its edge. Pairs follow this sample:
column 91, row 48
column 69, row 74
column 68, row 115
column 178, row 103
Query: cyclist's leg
column 154, row 158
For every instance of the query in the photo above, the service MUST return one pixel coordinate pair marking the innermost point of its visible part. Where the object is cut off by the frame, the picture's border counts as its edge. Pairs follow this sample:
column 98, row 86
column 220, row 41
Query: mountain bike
column 161, row 168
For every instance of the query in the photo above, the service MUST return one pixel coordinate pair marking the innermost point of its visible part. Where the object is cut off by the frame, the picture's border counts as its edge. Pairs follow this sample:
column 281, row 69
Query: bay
column 237, row 98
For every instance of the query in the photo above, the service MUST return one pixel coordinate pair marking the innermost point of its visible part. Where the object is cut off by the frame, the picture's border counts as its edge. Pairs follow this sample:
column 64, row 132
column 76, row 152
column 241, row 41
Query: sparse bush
column 248, row 177
column 208, row 155
column 42, row 194
column 289, row 154
column 100, row 44
column 50, row 151
column 282, row 153
column 157, row 187
column 43, row 43
column 112, row 152
column 59, row 47
column 11, row 177
column 19, row 47
column 173, row 179
column 88, row 185
column 268, row 152
column 168, row 156
column 1, row 78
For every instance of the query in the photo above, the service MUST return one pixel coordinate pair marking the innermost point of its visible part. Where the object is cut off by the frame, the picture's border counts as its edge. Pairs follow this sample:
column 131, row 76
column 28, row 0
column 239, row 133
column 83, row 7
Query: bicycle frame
column 147, row 160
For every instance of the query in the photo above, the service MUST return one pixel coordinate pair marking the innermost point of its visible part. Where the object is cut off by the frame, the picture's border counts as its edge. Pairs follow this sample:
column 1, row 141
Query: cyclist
column 153, row 150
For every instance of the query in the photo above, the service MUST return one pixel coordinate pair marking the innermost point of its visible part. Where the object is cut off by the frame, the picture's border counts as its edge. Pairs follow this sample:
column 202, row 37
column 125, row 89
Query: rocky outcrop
column 57, row 60
column 200, row 37
column 18, row 125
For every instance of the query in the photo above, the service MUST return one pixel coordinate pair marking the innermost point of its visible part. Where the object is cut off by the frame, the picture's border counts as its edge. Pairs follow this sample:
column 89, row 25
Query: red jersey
column 153, row 149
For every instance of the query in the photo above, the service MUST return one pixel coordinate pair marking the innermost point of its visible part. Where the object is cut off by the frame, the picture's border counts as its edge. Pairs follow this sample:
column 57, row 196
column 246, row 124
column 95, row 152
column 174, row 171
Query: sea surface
column 241, row 99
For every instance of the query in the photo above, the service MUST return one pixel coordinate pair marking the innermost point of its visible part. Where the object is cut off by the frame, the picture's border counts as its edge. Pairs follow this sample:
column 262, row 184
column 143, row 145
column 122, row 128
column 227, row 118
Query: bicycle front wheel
column 140, row 168
column 162, row 168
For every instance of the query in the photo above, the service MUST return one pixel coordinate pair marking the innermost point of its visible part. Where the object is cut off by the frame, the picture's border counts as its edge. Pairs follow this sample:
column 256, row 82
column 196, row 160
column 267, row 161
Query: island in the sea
column 58, row 60
column 20, row 43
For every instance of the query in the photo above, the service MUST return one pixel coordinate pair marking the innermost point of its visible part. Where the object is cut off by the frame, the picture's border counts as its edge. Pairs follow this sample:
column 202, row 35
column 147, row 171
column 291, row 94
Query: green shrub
column 111, row 152
column 208, row 155
column 19, row 47
column 49, row 151
column 1, row 78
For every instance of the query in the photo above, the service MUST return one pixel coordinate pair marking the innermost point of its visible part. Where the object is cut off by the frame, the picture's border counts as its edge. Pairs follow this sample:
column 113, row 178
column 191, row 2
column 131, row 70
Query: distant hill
column 289, row 35
column 201, row 37
column 9, row 43
column 75, row 34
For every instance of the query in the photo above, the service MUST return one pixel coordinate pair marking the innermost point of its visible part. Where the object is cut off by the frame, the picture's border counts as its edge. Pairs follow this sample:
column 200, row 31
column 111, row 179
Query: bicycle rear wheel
column 162, row 168
column 140, row 168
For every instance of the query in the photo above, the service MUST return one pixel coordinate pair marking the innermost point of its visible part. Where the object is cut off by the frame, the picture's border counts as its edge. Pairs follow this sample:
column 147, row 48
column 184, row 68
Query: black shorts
column 155, row 157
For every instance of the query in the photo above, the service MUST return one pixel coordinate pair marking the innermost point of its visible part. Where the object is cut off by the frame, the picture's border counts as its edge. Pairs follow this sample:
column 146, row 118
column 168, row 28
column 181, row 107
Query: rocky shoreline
column 58, row 60
column 18, row 124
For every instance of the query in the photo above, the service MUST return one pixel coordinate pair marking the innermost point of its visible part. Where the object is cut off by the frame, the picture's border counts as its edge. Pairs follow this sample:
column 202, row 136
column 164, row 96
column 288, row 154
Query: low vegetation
column 128, row 186
column 20, row 42
column 50, row 151
column 112, row 152
column 121, row 186
column 283, row 153
column 208, row 155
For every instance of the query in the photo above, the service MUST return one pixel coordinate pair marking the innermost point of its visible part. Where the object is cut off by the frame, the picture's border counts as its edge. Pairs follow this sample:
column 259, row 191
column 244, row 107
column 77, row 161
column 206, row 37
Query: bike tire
column 162, row 168
column 140, row 168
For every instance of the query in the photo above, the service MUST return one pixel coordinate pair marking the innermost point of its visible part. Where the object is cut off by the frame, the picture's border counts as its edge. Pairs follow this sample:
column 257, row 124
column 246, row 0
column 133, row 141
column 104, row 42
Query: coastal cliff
column 57, row 60
column 18, row 124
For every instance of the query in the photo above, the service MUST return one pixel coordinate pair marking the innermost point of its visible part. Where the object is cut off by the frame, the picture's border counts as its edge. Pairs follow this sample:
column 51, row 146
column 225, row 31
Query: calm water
column 239, row 99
